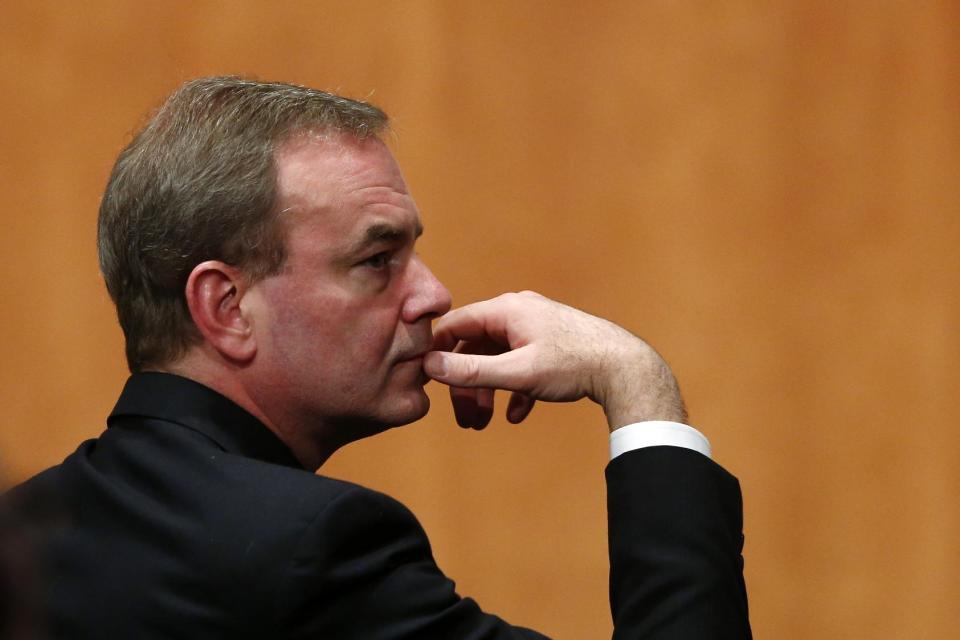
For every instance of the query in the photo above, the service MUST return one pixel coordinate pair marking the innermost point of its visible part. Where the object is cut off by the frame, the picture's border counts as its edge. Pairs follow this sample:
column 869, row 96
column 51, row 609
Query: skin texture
column 330, row 349
column 544, row 350
column 342, row 330
column 334, row 348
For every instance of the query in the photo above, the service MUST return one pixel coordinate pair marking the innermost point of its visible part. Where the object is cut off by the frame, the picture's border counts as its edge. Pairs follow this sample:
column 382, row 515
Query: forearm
column 675, row 529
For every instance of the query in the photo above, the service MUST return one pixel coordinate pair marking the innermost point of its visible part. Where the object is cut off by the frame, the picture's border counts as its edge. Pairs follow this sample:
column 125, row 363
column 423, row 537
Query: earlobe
column 213, row 293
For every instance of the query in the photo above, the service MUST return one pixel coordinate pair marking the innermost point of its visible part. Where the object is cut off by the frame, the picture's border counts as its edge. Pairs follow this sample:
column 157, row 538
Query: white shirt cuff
column 655, row 433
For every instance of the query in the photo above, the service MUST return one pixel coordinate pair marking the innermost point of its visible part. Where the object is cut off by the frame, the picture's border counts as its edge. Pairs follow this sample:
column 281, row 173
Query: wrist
column 638, row 386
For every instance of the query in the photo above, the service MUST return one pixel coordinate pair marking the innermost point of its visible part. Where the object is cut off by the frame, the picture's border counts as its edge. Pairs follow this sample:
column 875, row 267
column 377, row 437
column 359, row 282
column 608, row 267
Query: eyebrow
column 384, row 232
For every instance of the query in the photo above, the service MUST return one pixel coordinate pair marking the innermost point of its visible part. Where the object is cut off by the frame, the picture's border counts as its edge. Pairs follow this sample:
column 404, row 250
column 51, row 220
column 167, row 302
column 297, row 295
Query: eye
column 377, row 261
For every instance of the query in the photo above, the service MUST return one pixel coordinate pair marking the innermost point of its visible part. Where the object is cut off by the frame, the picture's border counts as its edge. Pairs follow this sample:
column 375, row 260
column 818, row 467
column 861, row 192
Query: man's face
column 341, row 330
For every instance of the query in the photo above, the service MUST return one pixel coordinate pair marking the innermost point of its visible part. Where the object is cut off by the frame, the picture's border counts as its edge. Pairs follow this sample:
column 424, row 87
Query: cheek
column 371, row 336
column 350, row 339
column 302, row 329
column 333, row 328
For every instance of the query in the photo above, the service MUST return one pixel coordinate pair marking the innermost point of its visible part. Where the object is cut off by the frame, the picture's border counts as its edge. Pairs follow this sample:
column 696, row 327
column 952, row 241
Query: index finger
column 473, row 322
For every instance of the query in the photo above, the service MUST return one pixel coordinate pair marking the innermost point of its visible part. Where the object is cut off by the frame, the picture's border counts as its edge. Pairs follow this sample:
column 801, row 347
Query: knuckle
column 471, row 371
column 508, row 298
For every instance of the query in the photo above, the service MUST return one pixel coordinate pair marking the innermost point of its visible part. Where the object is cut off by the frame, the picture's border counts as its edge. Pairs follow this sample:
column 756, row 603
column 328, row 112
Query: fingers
column 473, row 408
column 519, row 407
column 484, row 320
column 505, row 371
column 468, row 355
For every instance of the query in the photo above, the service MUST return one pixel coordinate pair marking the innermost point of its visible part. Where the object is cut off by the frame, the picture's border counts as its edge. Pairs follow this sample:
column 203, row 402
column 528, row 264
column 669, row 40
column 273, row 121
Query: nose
column 428, row 298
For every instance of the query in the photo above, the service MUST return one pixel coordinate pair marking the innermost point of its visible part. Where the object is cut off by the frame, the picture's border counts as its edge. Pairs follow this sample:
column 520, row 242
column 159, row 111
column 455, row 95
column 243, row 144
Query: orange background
column 768, row 192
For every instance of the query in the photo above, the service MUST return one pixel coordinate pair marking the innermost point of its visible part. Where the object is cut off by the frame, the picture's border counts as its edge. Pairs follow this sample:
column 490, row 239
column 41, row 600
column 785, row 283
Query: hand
column 541, row 349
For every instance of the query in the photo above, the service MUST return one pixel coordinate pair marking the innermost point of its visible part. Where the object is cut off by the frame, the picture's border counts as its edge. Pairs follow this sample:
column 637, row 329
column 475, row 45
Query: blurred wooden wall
column 768, row 192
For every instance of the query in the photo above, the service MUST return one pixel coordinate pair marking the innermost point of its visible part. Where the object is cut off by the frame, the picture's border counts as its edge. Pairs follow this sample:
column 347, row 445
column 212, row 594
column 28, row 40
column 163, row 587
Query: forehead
column 342, row 184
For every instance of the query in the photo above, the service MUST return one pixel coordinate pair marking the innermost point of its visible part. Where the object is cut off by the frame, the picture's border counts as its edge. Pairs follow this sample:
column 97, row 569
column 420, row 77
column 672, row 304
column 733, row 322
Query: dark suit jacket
column 188, row 518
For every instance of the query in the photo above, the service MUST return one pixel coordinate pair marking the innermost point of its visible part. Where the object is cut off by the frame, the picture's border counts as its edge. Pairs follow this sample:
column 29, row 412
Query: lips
column 420, row 344
column 418, row 355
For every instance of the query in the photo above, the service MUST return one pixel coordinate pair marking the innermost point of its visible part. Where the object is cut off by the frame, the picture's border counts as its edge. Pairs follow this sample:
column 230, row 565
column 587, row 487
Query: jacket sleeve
column 364, row 569
column 675, row 532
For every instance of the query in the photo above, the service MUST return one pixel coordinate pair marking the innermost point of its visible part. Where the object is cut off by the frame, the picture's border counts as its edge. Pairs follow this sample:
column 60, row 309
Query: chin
column 411, row 408
column 401, row 410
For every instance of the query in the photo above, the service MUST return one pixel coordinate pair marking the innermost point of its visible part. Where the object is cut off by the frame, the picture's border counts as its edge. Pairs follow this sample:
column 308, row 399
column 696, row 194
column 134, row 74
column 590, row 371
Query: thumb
column 469, row 370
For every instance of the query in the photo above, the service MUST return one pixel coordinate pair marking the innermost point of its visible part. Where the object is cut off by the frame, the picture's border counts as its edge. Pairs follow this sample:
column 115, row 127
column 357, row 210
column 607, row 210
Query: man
column 258, row 241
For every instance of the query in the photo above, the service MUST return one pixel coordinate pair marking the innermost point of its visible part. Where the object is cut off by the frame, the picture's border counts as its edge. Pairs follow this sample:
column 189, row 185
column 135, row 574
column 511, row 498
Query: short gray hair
column 198, row 183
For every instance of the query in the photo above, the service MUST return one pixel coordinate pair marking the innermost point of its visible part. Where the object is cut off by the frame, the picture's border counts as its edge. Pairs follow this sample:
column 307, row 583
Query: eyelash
column 377, row 261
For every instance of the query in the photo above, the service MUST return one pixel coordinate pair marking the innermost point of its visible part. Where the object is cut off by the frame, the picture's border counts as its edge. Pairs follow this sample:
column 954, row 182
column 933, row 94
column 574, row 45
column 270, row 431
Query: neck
column 227, row 380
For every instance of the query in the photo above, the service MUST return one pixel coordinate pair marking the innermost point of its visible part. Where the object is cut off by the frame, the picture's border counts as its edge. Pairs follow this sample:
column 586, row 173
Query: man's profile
column 258, row 240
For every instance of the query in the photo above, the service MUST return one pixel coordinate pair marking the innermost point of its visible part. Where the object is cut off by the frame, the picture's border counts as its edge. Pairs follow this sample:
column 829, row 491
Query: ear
column 214, row 290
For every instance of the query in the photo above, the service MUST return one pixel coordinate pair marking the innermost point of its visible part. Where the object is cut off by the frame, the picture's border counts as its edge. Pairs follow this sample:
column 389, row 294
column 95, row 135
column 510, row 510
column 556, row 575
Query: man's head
column 259, row 238
column 199, row 183
column 341, row 330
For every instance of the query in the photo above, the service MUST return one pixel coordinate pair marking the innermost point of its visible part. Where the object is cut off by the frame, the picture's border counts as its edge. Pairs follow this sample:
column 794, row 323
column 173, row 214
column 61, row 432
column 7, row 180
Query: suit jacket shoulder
column 170, row 526
column 188, row 518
